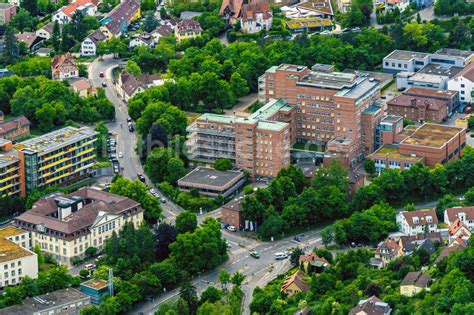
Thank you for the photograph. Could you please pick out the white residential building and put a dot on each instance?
(143, 39)
(65, 226)
(46, 31)
(463, 82)
(65, 14)
(16, 260)
(90, 44)
(256, 16)
(464, 214)
(417, 222)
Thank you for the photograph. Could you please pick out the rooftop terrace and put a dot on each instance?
(432, 135)
(10, 231)
(393, 152)
(454, 52)
(56, 139)
(95, 284)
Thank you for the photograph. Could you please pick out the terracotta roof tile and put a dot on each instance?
(422, 216)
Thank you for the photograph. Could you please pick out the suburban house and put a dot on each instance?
(7, 12)
(65, 226)
(294, 284)
(458, 229)
(64, 67)
(30, 39)
(17, 259)
(186, 30)
(46, 31)
(143, 39)
(65, 14)
(464, 83)
(417, 222)
(414, 282)
(313, 263)
(428, 241)
(465, 214)
(230, 11)
(128, 85)
(371, 306)
(256, 16)
(232, 214)
(162, 31)
(116, 22)
(14, 2)
(455, 246)
(15, 128)
(90, 44)
(84, 88)
(386, 251)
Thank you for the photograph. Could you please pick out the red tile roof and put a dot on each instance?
(371, 306)
(422, 217)
(62, 60)
(453, 213)
(250, 11)
(72, 7)
(312, 258)
(417, 101)
(13, 124)
(188, 25)
(234, 6)
(467, 72)
(298, 280)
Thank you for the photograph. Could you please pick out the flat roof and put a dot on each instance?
(10, 251)
(372, 109)
(11, 231)
(95, 284)
(323, 6)
(415, 90)
(360, 89)
(391, 118)
(308, 23)
(270, 109)
(45, 302)
(271, 125)
(6, 160)
(393, 152)
(56, 139)
(454, 52)
(441, 70)
(210, 176)
(425, 77)
(383, 78)
(406, 55)
(432, 135)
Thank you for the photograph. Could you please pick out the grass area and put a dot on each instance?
(102, 164)
(309, 147)
(254, 107)
(387, 86)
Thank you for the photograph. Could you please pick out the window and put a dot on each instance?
(19, 264)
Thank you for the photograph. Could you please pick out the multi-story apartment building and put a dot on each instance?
(464, 214)
(16, 260)
(60, 157)
(7, 12)
(418, 108)
(258, 143)
(412, 61)
(417, 222)
(429, 144)
(449, 96)
(11, 171)
(464, 83)
(332, 108)
(66, 225)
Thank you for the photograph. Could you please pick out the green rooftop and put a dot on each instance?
(393, 152)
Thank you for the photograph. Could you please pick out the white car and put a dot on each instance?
(120, 155)
(279, 256)
(231, 228)
(152, 191)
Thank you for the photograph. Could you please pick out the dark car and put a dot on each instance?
(353, 245)
(129, 120)
(104, 84)
(141, 177)
(130, 128)
(346, 30)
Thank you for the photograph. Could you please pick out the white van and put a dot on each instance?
(279, 256)
(89, 266)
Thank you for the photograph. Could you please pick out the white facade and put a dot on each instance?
(139, 42)
(464, 86)
(66, 250)
(402, 5)
(254, 26)
(63, 18)
(416, 227)
(14, 2)
(88, 47)
(43, 33)
(460, 213)
(12, 271)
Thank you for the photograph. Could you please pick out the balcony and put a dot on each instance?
(214, 132)
(57, 178)
(53, 164)
(201, 140)
(8, 178)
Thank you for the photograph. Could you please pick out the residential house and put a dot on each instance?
(186, 30)
(371, 306)
(46, 31)
(465, 214)
(15, 128)
(417, 222)
(427, 241)
(31, 40)
(90, 44)
(116, 22)
(386, 251)
(458, 230)
(7, 12)
(294, 284)
(162, 31)
(16, 260)
(143, 39)
(256, 16)
(64, 67)
(464, 83)
(321, 8)
(15, 2)
(402, 5)
(232, 214)
(129, 85)
(43, 52)
(414, 282)
(64, 15)
(230, 11)
(455, 246)
(65, 226)
(84, 88)
(313, 263)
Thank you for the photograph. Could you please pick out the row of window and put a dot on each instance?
(314, 97)
(13, 273)
(12, 265)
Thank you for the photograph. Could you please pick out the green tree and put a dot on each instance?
(295, 256)
(150, 23)
(238, 85)
(333, 175)
(469, 197)
(12, 49)
(175, 170)
(189, 295)
(31, 6)
(224, 278)
(447, 201)
(133, 68)
(39, 254)
(186, 221)
(223, 164)
(156, 165)
(211, 294)
(165, 235)
(369, 167)
(237, 279)
(56, 37)
(91, 251)
(273, 226)
(101, 143)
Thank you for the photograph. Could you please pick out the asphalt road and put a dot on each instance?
(126, 140)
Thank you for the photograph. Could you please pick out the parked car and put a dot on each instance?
(101, 74)
(254, 253)
(231, 228)
(353, 245)
(163, 200)
(120, 155)
(89, 266)
(141, 177)
(129, 120)
(104, 84)
(152, 191)
(130, 128)
(326, 32)
(346, 30)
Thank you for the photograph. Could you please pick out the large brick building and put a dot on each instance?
(418, 108)
(335, 110)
